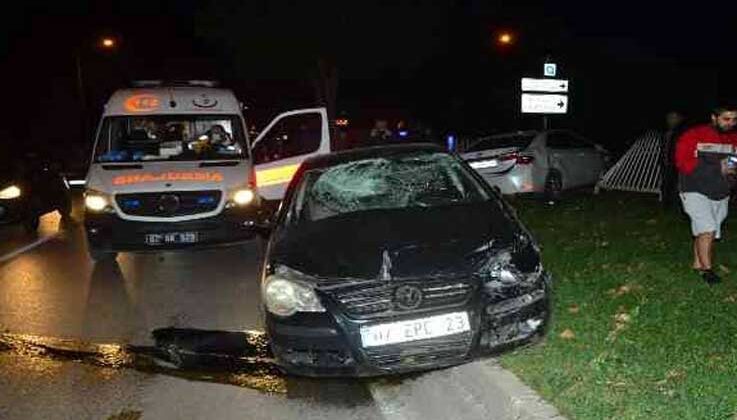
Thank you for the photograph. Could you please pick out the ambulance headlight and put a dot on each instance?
(241, 197)
(96, 201)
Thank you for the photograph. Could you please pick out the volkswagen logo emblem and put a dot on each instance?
(168, 204)
(407, 297)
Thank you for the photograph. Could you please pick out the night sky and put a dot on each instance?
(432, 61)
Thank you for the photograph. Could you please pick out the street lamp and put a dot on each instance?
(505, 38)
(106, 43)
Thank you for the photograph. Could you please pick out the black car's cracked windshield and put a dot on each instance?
(422, 180)
(170, 137)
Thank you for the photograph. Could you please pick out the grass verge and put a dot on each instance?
(636, 334)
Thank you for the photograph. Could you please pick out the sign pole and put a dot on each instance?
(549, 70)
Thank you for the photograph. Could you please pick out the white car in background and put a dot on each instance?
(547, 162)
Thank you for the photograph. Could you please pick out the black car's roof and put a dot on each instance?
(338, 158)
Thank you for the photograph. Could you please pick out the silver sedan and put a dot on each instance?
(548, 161)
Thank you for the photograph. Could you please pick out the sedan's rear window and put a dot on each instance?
(415, 180)
(520, 141)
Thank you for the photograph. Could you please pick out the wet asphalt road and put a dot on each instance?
(67, 326)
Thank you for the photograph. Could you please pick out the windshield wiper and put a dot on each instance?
(120, 167)
(219, 163)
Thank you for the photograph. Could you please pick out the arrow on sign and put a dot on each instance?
(544, 85)
(533, 103)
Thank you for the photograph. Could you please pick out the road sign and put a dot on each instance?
(550, 69)
(544, 85)
(544, 104)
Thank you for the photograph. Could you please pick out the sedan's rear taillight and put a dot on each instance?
(508, 157)
(525, 160)
(520, 159)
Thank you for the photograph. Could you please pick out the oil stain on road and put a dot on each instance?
(241, 359)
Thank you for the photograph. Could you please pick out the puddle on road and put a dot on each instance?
(242, 359)
(235, 358)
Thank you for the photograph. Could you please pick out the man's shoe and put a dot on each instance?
(710, 277)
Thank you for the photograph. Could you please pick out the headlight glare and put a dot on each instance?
(243, 197)
(95, 201)
(10, 193)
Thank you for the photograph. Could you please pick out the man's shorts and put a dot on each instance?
(706, 214)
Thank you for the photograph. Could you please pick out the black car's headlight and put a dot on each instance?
(286, 292)
(11, 192)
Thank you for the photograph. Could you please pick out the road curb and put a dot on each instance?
(476, 390)
(520, 402)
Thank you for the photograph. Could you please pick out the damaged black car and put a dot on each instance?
(29, 188)
(395, 259)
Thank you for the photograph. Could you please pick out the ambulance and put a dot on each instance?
(173, 167)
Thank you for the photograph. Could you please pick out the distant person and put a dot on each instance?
(669, 187)
(218, 136)
(380, 133)
(152, 129)
(174, 132)
(143, 129)
(701, 159)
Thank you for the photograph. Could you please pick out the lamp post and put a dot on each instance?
(105, 43)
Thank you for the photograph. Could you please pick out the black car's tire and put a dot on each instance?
(553, 186)
(30, 223)
(99, 255)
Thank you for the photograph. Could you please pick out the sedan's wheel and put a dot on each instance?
(553, 187)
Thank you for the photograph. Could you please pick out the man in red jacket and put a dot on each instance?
(702, 161)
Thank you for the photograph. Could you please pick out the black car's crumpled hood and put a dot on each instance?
(418, 242)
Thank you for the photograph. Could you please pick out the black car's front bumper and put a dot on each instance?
(329, 343)
(109, 233)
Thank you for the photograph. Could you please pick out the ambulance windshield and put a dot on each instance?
(170, 137)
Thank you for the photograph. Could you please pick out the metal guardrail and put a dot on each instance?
(639, 169)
